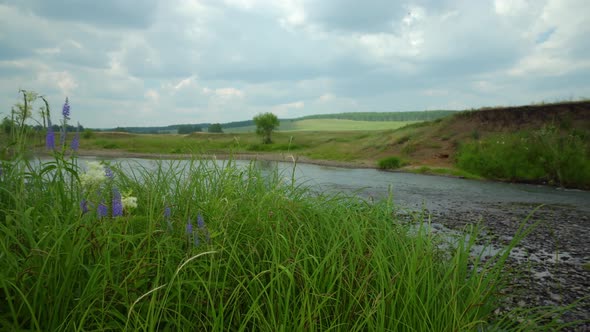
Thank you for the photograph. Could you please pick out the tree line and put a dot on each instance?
(384, 116)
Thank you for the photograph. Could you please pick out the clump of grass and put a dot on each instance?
(392, 162)
(403, 139)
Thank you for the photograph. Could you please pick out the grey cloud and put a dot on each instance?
(364, 16)
(464, 57)
(355, 15)
(104, 13)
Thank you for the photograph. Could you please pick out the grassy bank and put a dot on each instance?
(545, 155)
(218, 248)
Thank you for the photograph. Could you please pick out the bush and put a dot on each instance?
(88, 134)
(545, 155)
(392, 162)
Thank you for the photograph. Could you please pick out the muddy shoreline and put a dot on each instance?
(550, 266)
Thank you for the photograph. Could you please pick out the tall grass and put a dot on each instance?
(261, 253)
(274, 257)
(546, 155)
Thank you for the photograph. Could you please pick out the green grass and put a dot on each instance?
(275, 258)
(392, 162)
(343, 146)
(328, 125)
(340, 125)
(544, 155)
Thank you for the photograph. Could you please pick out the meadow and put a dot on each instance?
(200, 246)
(340, 125)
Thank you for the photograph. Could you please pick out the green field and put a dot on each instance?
(328, 125)
(339, 125)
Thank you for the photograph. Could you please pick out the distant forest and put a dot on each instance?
(384, 116)
(356, 116)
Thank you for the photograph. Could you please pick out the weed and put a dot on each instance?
(392, 162)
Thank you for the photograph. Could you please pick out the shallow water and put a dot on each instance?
(414, 191)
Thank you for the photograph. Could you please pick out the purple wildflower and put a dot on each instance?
(117, 204)
(167, 214)
(196, 238)
(200, 221)
(201, 225)
(102, 210)
(76, 141)
(189, 227)
(108, 172)
(66, 110)
(84, 205)
(50, 137)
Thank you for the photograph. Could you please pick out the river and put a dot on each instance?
(415, 191)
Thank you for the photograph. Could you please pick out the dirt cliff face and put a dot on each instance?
(436, 144)
(570, 115)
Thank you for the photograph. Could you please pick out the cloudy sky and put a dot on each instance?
(161, 62)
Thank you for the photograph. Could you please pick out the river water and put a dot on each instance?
(417, 191)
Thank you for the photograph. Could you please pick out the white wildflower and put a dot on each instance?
(94, 176)
(129, 203)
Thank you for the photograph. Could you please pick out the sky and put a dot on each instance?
(163, 62)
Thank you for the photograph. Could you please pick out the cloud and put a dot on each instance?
(160, 62)
(104, 13)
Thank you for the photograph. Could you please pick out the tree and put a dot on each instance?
(215, 128)
(187, 129)
(265, 124)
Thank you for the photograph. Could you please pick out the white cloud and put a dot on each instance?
(62, 80)
(283, 110)
(510, 7)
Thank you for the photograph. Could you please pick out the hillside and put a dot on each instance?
(435, 143)
(384, 116)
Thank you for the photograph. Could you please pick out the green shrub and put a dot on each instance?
(88, 134)
(544, 155)
(392, 162)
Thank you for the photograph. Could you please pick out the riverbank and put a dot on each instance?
(549, 265)
(282, 157)
(207, 247)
